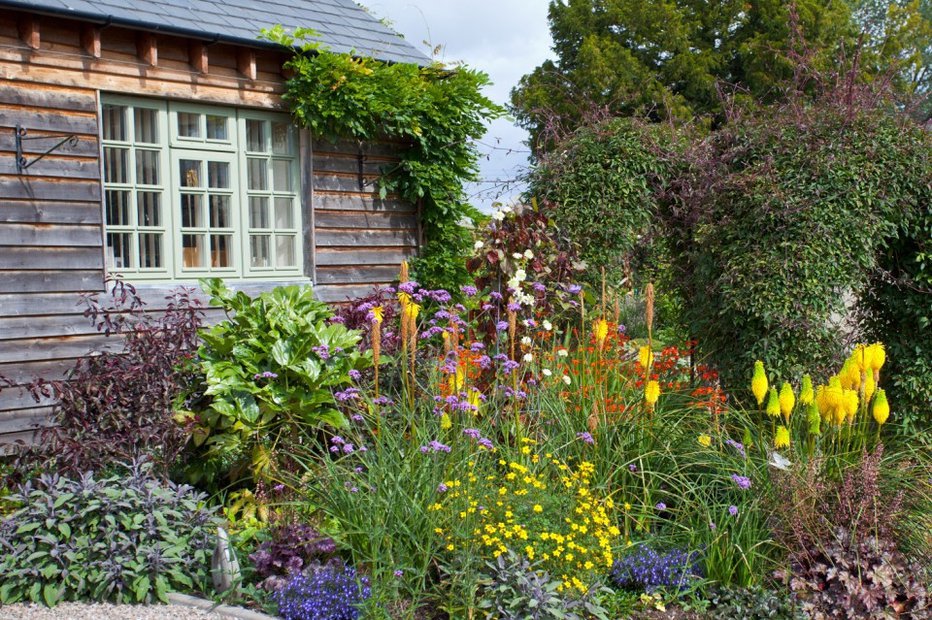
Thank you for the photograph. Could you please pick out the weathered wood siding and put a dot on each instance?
(51, 228)
(359, 239)
(50, 238)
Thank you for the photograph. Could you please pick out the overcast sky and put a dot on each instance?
(504, 38)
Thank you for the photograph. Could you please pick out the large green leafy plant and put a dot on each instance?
(266, 380)
(434, 112)
(126, 538)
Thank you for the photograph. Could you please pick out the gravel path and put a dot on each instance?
(103, 611)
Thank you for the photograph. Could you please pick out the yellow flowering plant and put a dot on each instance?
(542, 508)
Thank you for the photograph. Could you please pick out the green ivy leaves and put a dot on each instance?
(436, 113)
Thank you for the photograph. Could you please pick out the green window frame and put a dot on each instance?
(225, 183)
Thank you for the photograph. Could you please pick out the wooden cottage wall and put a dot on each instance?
(359, 239)
(50, 239)
(51, 232)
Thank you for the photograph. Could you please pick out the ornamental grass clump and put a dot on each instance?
(329, 592)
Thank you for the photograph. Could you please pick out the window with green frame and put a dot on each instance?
(193, 190)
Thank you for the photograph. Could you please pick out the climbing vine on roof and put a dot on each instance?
(436, 112)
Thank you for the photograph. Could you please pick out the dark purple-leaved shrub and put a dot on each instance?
(647, 569)
(328, 592)
(292, 547)
(842, 538)
(116, 405)
(357, 314)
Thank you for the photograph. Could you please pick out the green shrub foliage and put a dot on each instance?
(601, 186)
(434, 112)
(266, 376)
(897, 306)
(125, 538)
(785, 215)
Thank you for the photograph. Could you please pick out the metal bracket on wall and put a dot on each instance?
(22, 164)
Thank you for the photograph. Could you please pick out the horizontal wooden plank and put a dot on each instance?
(86, 147)
(329, 237)
(65, 347)
(18, 328)
(64, 258)
(19, 186)
(345, 183)
(21, 373)
(44, 97)
(20, 426)
(50, 212)
(58, 121)
(343, 293)
(327, 257)
(32, 304)
(10, 441)
(350, 165)
(71, 235)
(365, 220)
(325, 148)
(67, 167)
(356, 275)
(18, 398)
(40, 281)
(342, 202)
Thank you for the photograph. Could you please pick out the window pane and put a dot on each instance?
(220, 246)
(117, 208)
(216, 127)
(149, 209)
(258, 212)
(255, 136)
(284, 213)
(115, 164)
(284, 250)
(114, 122)
(218, 174)
(147, 125)
(190, 172)
(281, 174)
(119, 250)
(191, 211)
(189, 125)
(259, 251)
(150, 250)
(220, 212)
(192, 251)
(147, 167)
(281, 138)
(256, 174)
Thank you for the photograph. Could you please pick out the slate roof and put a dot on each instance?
(343, 25)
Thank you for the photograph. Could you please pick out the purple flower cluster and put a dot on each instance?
(646, 569)
(585, 438)
(743, 482)
(737, 445)
(469, 290)
(331, 592)
(482, 441)
(265, 375)
(347, 394)
(435, 446)
(322, 351)
(355, 375)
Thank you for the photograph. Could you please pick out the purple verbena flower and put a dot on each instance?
(469, 290)
(585, 437)
(733, 511)
(743, 482)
